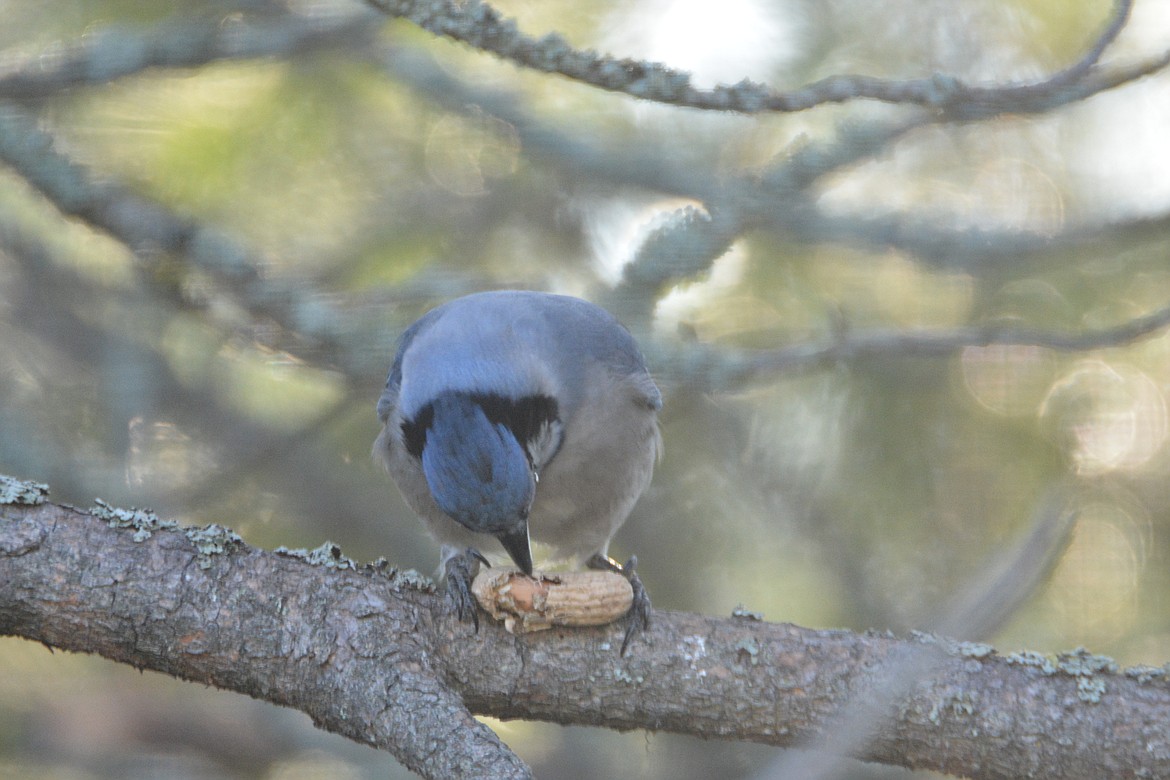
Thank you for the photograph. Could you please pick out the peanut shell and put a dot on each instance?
(571, 598)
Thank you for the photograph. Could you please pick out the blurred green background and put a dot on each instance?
(382, 171)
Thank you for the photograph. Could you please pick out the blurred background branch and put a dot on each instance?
(482, 26)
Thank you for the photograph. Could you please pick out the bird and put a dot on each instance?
(516, 416)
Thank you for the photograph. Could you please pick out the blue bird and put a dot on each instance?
(509, 416)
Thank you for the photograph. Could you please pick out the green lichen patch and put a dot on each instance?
(330, 556)
(959, 704)
(327, 555)
(143, 522)
(1146, 674)
(1090, 689)
(951, 646)
(383, 567)
(413, 579)
(212, 540)
(1034, 659)
(747, 652)
(623, 676)
(743, 613)
(1087, 668)
(19, 491)
(930, 638)
(975, 649)
(1079, 663)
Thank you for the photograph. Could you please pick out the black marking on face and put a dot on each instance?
(414, 432)
(532, 419)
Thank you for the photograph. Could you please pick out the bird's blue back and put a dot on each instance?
(512, 343)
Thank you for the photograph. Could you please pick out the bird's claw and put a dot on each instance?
(639, 615)
(459, 571)
(638, 618)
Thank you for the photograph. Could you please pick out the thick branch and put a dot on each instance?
(375, 658)
(352, 651)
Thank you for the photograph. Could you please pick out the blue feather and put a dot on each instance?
(477, 471)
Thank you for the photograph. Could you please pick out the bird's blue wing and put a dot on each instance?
(389, 397)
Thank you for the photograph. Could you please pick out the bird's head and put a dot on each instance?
(479, 474)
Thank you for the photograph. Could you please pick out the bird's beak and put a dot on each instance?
(516, 543)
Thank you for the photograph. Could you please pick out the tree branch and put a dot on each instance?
(480, 25)
(353, 651)
(114, 52)
(724, 367)
(157, 233)
(374, 656)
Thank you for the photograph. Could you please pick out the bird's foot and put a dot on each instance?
(638, 618)
(458, 571)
